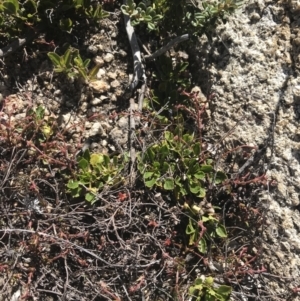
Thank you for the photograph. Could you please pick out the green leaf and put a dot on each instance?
(73, 184)
(150, 183)
(202, 193)
(156, 165)
(106, 161)
(86, 155)
(150, 155)
(66, 25)
(40, 113)
(98, 13)
(11, 7)
(86, 63)
(197, 149)
(148, 174)
(164, 152)
(55, 58)
(90, 197)
(148, 19)
(220, 177)
(93, 73)
(187, 138)
(83, 73)
(224, 291)
(67, 57)
(78, 61)
(196, 290)
(83, 164)
(165, 167)
(169, 136)
(125, 10)
(76, 192)
(202, 246)
(200, 175)
(194, 188)
(59, 70)
(221, 231)
(206, 168)
(190, 228)
(169, 184)
(208, 218)
(142, 6)
(31, 7)
(182, 67)
(157, 18)
(86, 177)
(209, 281)
(141, 167)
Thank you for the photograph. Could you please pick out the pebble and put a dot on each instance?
(122, 53)
(98, 61)
(96, 101)
(101, 72)
(96, 129)
(99, 86)
(112, 75)
(109, 57)
(115, 84)
(123, 122)
(92, 49)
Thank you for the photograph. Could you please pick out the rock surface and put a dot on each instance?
(254, 71)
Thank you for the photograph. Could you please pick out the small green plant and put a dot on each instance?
(16, 16)
(174, 164)
(94, 172)
(206, 290)
(183, 16)
(201, 231)
(42, 125)
(144, 12)
(211, 11)
(72, 64)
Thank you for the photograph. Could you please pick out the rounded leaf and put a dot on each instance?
(169, 184)
(202, 246)
(221, 231)
(73, 184)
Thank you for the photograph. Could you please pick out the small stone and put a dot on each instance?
(122, 53)
(254, 17)
(96, 101)
(101, 72)
(296, 41)
(123, 122)
(103, 97)
(109, 57)
(98, 61)
(285, 246)
(66, 117)
(92, 49)
(115, 84)
(96, 129)
(118, 136)
(113, 98)
(20, 116)
(99, 86)
(88, 125)
(112, 75)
